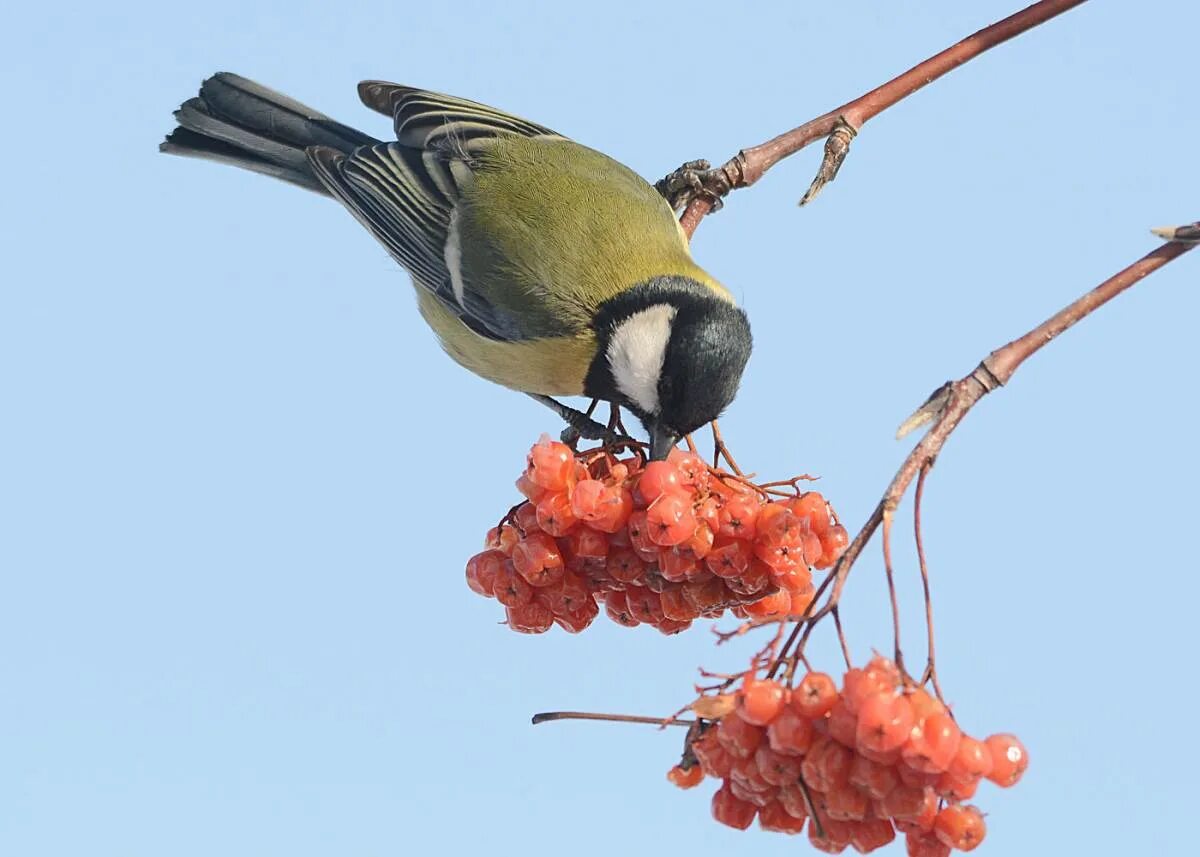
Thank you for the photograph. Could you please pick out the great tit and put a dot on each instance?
(541, 264)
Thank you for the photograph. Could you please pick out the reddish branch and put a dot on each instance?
(946, 408)
(841, 124)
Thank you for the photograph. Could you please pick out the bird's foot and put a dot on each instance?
(580, 425)
(693, 180)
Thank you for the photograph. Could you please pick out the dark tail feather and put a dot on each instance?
(237, 121)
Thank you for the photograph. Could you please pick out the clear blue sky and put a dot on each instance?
(238, 480)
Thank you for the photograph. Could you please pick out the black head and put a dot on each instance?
(672, 350)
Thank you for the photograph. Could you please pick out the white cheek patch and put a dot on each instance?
(453, 256)
(636, 352)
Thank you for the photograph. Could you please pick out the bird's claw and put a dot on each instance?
(693, 180)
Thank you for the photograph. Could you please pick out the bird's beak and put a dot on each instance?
(662, 441)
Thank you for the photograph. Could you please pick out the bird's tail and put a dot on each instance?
(237, 121)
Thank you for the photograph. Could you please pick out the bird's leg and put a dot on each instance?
(694, 179)
(579, 424)
(570, 435)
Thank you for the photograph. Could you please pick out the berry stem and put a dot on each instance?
(930, 660)
(897, 651)
(547, 716)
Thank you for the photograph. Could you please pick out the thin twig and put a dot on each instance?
(897, 651)
(993, 372)
(749, 165)
(547, 716)
(930, 673)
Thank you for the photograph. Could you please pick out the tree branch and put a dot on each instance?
(702, 192)
(951, 402)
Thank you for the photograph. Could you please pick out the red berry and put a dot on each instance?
(1009, 759)
(511, 589)
(728, 809)
(842, 724)
(760, 701)
(738, 736)
(961, 827)
(737, 517)
(482, 570)
(644, 605)
(909, 803)
(925, 845)
(625, 565)
(956, 787)
(846, 803)
(877, 780)
(776, 604)
(670, 520)
(815, 695)
(554, 514)
(776, 768)
(729, 560)
(884, 722)
(790, 732)
(714, 758)
(932, 744)
(530, 618)
(832, 545)
(685, 778)
(617, 607)
(972, 759)
(658, 478)
(815, 508)
(675, 606)
(776, 818)
(871, 834)
(537, 559)
(551, 465)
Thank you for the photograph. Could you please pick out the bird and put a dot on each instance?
(541, 265)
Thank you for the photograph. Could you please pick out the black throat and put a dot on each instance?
(683, 293)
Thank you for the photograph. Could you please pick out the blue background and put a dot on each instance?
(238, 481)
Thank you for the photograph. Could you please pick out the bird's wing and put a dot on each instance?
(405, 193)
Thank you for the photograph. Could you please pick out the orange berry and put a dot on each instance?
(827, 765)
(532, 618)
(815, 508)
(833, 543)
(737, 517)
(705, 595)
(554, 514)
(586, 543)
(685, 778)
(877, 780)
(790, 732)
(714, 758)
(791, 798)
(729, 560)
(815, 695)
(616, 605)
(537, 559)
(482, 570)
(1009, 759)
(739, 737)
(658, 478)
(960, 826)
(761, 700)
(775, 604)
(670, 520)
(957, 787)
(830, 836)
(776, 768)
(728, 809)
(530, 489)
(551, 465)
(871, 834)
(971, 759)
(502, 539)
(884, 723)
(616, 506)
(932, 744)
(693, 471)
(776, 818)
(644, 605)
(920, 844)
(675, 606)
(624, 565)
(923, 704)
(842, 724)
(912, 807)
(846, 803)
(511, 589)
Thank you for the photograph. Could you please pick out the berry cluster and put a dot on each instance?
(658, 543)
(874, 758)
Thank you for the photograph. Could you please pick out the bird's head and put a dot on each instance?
(672, 351)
